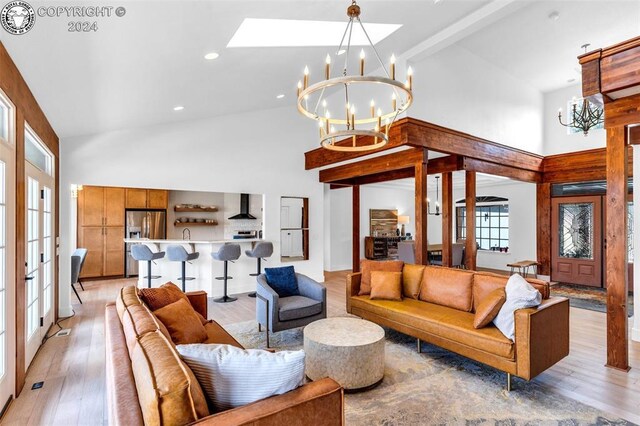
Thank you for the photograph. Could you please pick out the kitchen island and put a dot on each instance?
(204, 269)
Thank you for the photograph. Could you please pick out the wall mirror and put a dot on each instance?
(294, 229)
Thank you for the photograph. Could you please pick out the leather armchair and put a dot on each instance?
(282, 313)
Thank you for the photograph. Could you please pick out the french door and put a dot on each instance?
(7, 272)
(40, 246)
(576, 239)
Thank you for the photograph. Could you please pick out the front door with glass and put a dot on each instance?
(576, 253)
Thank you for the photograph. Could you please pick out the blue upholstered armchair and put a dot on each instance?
(277, 313)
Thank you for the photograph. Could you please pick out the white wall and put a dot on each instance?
(556, 138)
(258, 152)
(455, 88)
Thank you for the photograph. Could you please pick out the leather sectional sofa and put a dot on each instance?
(148, 383)
(541, 334)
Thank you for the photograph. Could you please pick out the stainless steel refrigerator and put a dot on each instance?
(151, 224)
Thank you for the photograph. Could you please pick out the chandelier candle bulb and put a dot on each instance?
(299, 87)
(393, 102)
(393, 67)
(373, 108)
(306, 77)
(362, 62)
(327, 67)
(379, 126)
(410, 78)
(353, 117)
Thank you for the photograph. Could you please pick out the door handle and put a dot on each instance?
(28, 278)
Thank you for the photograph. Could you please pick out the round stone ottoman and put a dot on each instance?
(349, 350)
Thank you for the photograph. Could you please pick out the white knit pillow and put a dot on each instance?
(520, 294)
(232, 377)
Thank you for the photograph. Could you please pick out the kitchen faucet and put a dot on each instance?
(188, 231)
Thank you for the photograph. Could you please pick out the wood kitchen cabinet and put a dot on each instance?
(146, 198)
(101, 216)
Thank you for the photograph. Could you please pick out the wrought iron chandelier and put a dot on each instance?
(437, 212)
(585, 118)
(313, 99)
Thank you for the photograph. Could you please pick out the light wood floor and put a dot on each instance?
(73, 368)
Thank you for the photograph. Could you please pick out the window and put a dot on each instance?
(36, 153)
(492, 223)
(6, 119)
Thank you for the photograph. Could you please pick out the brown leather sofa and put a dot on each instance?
(443, 314)
(148, 383)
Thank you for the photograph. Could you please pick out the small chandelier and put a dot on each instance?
(437, 212)
(313, 102)
(585, 118)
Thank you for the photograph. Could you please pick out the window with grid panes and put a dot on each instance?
(492, 225)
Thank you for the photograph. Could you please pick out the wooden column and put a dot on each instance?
(616, 249)
(471, 249)
(356, 227)
(447, 218)
(21, 251)
(543, 227)
(421, 210)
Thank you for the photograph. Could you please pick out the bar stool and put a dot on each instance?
(141, 252)
(227, 253)
(261, 250)
(177, 253)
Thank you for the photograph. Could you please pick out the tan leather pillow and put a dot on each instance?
(182, 322)
(367, 266)
(411, 280)
(386, 285)
(489, 307)
(447, 287)
(159, 297)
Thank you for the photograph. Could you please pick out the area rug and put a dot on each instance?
(438, 387)
(593, 299)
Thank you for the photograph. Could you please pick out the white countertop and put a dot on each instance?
(146, 240)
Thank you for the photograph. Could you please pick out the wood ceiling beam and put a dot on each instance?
(471, 164)
(448, 141)
(384, 163)
(321, 157)
(581, 166)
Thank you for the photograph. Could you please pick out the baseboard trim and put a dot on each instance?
(6, 406)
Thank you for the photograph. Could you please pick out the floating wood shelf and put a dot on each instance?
(195, 209)
(195, 223)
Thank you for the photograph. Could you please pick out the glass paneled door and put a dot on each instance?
(576, 239)
(40, 244)
(7, 254)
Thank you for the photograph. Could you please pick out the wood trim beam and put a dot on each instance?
(447, 218)
(384, 163)
(471, 248)
(622, 112)
(616, 250)
(421, 210)
(355, 237)
(543, 227)
(320, 157)
(375, 178)
(579, 166)
(480, 166)
(448, 141)
(634, 139)
(21, 249)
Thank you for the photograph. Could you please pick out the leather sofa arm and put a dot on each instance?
(542, 336)
(353, 287)
(198, 300)
(318, 403)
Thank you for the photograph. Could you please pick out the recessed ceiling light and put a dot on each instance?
(554, 16)
(571, 80)
(280, 96)
(211, 56)
(295, 33)
(436, 1)
(341, 51)
(178, 108)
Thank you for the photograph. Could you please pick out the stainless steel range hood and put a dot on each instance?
(244, 209)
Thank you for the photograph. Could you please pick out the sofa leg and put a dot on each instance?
(419, 346)
(508, 382)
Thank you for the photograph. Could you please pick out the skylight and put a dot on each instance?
(296, 33)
